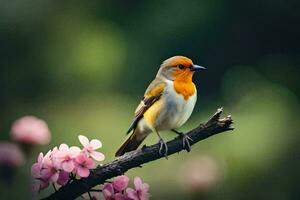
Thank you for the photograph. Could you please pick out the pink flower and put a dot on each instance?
(39, 181)
(63, 178)
(46, 170)
(83, 164)
(109, 193)
(120, 183)
(58, 163)
(30, 130)
(91, 146)
(49, 170)
(36, 168)
(65, 157)
(11, 155)
(141, 191)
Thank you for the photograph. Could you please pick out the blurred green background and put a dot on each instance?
(83, 66)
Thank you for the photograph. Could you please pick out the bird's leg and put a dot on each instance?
(162, 146)
(185, 140)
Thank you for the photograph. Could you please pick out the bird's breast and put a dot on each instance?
(184, 88)
(176, 109)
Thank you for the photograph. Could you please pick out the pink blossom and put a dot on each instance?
(83, 164)
(30, 130)
(11, 155)
(63, 178)
(65, 157)
(36, 168)
(45, 171)
(40, 182)
(141, 191)
(109, 193)
(50, 169)
(58, 163)
(120, 183)
(91, 146)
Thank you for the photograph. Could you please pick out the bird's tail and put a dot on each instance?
(131, 143)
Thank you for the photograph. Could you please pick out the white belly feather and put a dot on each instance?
(177, 110)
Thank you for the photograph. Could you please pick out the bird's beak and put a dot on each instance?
(196, 68)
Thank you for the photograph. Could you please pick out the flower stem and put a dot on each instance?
(91, 198)
(95, 190)
(54, 187)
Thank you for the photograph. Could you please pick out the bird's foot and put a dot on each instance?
(186, 141)
(162, 146)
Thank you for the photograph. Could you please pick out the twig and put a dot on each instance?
(90, 196)
(95, 190)
(53, 185)
(141, 156)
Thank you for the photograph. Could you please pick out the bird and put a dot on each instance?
(167, 104)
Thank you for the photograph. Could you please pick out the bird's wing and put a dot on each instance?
(152, 94)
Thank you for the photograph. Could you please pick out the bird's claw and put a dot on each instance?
(162, 146)
(186, 141)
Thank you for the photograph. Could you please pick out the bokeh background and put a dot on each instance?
(83, 66)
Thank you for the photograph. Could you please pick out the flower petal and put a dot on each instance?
(131, 193)
(63, 147)
(47, 155)
(54, 177)
(144, 196)
(68, 166)
(74, 151)
(146, 187)
(83, 172)
(119, 196)
(63, 178)
(97, 155)
(83, 140)
(89, 163)
(120, 183)
(36, 170)
(40, 158)
(138, 183)
(108, 190)
(80, 158)
(95, 144)
(46, 174)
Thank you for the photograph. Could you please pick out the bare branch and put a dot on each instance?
(141, 156)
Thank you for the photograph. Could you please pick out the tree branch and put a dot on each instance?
(141, 156)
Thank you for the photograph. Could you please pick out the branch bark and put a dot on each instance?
(141, 156)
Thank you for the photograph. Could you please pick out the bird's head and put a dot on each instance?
(178, 68)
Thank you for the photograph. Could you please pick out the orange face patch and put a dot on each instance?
(181, 74)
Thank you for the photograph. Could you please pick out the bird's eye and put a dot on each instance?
(180, 66)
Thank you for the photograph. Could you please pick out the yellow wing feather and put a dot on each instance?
(151, 98)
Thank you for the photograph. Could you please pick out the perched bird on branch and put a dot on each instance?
(167, 104)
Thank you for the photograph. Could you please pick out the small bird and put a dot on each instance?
(167, 104)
